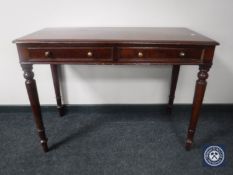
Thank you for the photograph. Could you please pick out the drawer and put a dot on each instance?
(76, 53)
(154, 53)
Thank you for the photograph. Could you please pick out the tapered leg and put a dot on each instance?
(35, 104)
(56, 84)
(197, 103)
(174, 79)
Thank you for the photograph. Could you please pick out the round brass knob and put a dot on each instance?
(89, 54)
(48, 54)
(140, 54)
(182, 54)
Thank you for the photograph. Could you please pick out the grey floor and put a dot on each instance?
(134, 140)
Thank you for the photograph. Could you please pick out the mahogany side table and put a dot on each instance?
(115, 46)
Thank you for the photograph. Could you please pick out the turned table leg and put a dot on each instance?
(174, 79)
(197, 103)
(56, 84)
(35, 104)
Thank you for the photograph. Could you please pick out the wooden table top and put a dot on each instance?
(118, 35)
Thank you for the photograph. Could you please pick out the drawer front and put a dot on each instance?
(76, 53)
(154, 53)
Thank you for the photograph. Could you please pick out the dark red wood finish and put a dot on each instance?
(54, 71)
(197, 102)
(35, 104)
(174, 79)
(171, 46)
